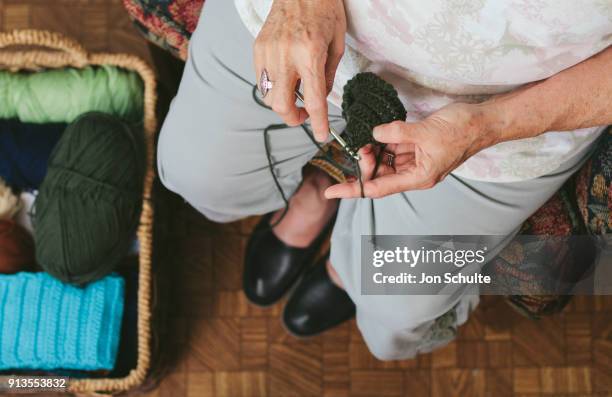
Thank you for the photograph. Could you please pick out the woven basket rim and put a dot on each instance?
(61, 51)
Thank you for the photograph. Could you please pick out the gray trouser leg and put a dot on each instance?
(211, 147)
(397, 326)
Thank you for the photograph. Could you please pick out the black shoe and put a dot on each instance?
(317, 304)
(271, 267)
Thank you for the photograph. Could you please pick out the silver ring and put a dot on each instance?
(390, 158)
(265, 84)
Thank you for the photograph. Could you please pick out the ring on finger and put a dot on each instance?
(389, 158)
(265, 84)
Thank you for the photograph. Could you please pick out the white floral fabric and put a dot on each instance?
(436, 52)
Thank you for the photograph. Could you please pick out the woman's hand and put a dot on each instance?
(425, 152)
(301, 40)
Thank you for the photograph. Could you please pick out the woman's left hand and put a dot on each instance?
(425, 152)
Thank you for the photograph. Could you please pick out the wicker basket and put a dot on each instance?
(51, 50)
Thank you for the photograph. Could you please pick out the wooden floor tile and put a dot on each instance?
(472, 354)
(602, 325)
(240, 384)
(474, 329)
(602, 354)
(377, 383)
(417, 383)
(336, 373)
(97, 19)
(570, 380)
(526, 380)
(215, 345)
(199, 384)
(539, 342)
(499, 354)
(175, 385)
(578, 338)
(16, 16)
(254, 343)
(458, 382)
(228, 258)
(295, 370)
(499, 382)
(445, 357)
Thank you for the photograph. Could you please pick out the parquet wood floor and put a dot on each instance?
(225, 347)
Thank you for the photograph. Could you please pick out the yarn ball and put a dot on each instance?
(87, 209)
(16, 248)
(367, 102)
(594, 188)
(61, 95)
(24, 151)
(9, 203)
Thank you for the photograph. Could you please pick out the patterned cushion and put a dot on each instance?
(167, 23)
(594, 188)
(583, 206)
(527, 270)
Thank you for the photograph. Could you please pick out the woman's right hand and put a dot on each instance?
(301, 40)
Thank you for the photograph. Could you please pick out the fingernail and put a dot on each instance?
(376, 132)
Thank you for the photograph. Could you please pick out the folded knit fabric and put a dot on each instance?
(25, 149)
(47, 325)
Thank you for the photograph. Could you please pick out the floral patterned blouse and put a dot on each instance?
(440, 51)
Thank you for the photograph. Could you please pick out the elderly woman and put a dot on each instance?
(505, 101)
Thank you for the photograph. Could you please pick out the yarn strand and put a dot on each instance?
(368, 101)
(328, 157)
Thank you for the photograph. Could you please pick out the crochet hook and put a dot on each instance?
(334, 133)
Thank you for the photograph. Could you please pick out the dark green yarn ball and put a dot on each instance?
(88, 206)
(368, 101)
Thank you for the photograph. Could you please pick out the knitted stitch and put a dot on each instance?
(368, 101)
(48, 325)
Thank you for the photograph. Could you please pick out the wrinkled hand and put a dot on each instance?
(426, 151)
(301, 40)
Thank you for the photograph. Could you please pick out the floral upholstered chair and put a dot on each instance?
(167, 23)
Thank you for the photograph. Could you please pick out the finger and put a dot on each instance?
(344, 190)
(384, 168)
(395, 132)
(379, 187)
(336, 50)
(405, 160)
(258, 60)
(368, 161)
(370, 156)
(352, 188)
(283, 98)
(315, 98)
(394, 183)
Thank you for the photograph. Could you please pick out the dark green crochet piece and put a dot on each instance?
(368, 101)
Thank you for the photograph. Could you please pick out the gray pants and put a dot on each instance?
(211, 152)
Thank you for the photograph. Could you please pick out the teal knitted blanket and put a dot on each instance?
(46, 324)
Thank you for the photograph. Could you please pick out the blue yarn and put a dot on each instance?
(25, 149)
(48, 325)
